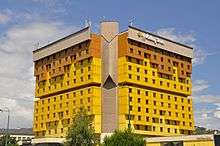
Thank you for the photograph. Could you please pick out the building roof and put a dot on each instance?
(68, 36)
(21, 131)
(178, 43)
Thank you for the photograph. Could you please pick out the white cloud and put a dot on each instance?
(217, 114)
(199, 86)
(16, 74)
(206, 106)
(186, 38)
(199, 55)
(4, 18)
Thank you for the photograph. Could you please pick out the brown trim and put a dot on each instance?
(70, 89)
(161, 37)
(57, 41)
(150, 88)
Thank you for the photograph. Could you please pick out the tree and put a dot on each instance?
(11, 141)
(123, 138)
(202, 130)
(81, 132)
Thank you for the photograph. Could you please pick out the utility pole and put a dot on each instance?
(8, 122)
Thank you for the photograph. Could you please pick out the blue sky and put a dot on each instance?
(25, 23)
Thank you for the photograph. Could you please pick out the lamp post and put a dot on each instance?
(8, 121)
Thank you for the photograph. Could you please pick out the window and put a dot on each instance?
(161, 96)
(147, 101)
(182, 65)
(169, 105)
(153, 81)
(190, 116)
(130, 99)
(161, 129)
(129, 67)
(169, 69)
(138, 78)
(147, 119)
(139, 118)
(139, 100)
(188, 66)
(182, 107)
(145, 71)
(189, 109)
(184, 123)
(138, 69)
(139, 109)
(139, 52)
(129, 76)
(138, 92)
(183, 115)
(146, 93)
(169, 113)
(130, 108)
(176, 107)
(154, 94)
(147, 110)
(131, 50)
(153, 73)
(146, 79)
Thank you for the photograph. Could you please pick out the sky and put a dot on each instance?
(27, 24)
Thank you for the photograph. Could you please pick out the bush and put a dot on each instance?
(123, 138)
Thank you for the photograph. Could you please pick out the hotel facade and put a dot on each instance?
(132, 78)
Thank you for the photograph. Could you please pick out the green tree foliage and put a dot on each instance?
(202, 130)
(123, 138)
(11, 141)
(81, 133)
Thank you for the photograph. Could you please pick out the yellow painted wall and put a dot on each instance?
(187, 143)
(198, 143)
(168, 99)
(53, 114)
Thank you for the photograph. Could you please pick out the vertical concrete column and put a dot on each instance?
(109, 50)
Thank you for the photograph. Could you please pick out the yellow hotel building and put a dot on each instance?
(113, 75)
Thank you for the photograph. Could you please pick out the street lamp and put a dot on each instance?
(8, 121)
